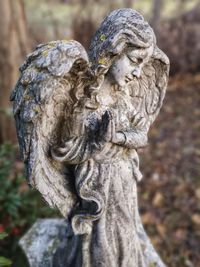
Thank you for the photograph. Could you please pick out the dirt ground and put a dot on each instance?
(169, 194)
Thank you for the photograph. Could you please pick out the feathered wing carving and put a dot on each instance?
(157, 83)
(149, 91)
(41, 103)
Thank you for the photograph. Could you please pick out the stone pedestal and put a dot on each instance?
(42, 241)
(45, 244)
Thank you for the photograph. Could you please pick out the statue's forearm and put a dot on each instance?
(132, 138)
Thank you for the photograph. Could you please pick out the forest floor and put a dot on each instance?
(169, 194)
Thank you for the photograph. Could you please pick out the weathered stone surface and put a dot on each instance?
(45, 244)
(80, 122)
(41, 242)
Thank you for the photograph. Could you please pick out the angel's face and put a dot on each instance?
(128, 66)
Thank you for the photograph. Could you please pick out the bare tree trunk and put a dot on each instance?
(157, 6)
(83, 26)
(128, 3)
(112, 4)
(14, 46)
(180, 7)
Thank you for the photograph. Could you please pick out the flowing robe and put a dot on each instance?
(105, 174)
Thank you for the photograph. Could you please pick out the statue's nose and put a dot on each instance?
(137, 72)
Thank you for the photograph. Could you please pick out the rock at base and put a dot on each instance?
(41, 242)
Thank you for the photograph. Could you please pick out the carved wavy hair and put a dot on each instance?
(120, 30)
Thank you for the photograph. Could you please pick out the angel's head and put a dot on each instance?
(122, 45)
(129, 65)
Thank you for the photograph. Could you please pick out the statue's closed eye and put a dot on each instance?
(135, 60)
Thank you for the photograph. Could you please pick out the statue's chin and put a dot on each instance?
(124, 83)
(121, 83)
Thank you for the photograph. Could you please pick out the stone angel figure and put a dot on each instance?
(80, 120)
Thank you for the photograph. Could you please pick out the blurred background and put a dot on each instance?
(169, 194)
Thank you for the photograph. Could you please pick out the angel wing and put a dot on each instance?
(149, 91)
(41, 103)
(157, 83)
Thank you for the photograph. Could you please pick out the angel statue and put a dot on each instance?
(80, 120)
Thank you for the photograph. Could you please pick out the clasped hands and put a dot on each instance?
(105, 131)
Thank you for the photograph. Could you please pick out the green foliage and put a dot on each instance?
(3, 235)
(5, 262)
(20, 206)
(9, 198)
